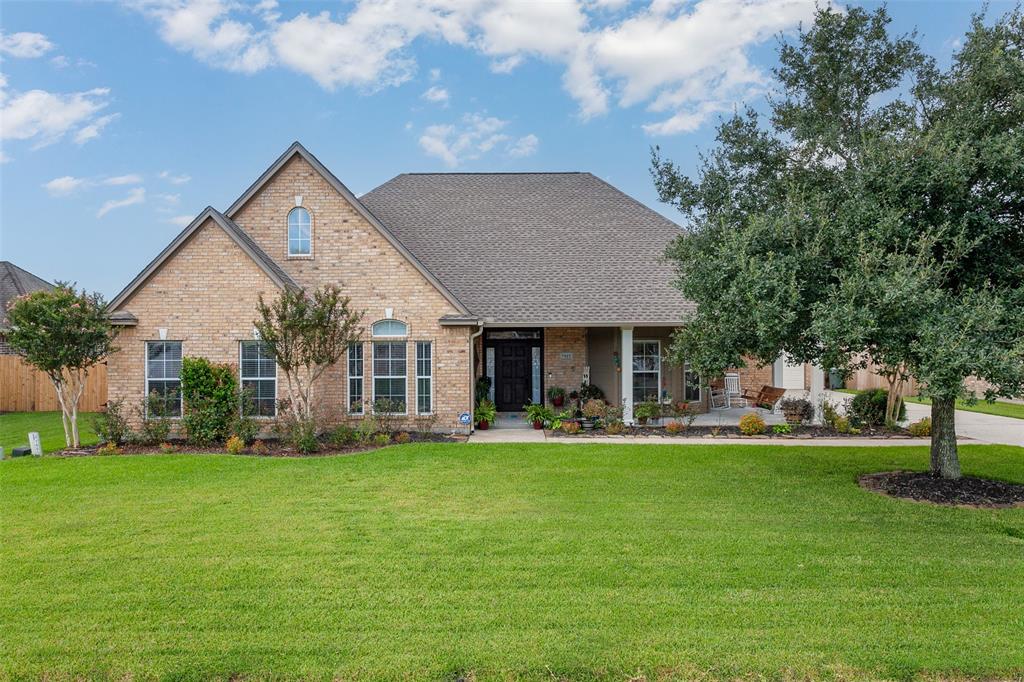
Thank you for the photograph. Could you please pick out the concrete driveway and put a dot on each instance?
(985, 428)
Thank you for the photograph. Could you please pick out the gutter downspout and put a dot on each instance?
(472, 369)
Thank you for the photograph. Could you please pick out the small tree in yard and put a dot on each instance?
(877, 217)
(63, 334)
(307, 335)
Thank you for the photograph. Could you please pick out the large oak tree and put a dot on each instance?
(875, 215)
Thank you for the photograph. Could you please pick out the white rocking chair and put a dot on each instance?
(733, 392)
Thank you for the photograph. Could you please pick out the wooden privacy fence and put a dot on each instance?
(26, 389)
(864, 379)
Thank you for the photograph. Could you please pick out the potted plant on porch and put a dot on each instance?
(538, 414)
(556, 394)
(484, 414)
(647, 410)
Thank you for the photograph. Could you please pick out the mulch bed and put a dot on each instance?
(797, 431)
(926, 487)
(271, 448)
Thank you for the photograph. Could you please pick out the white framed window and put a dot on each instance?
(300, 232)
(646, 371)
(163, 378)
(390, 328)
(424, 377)
(390, 373)
(258, 374)
(355, 378)
(691, 384)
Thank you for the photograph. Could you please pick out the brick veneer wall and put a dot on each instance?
(205, 297)
(217, 283)
(567, 373)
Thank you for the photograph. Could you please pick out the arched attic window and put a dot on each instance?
(300, 232)
(390, 329)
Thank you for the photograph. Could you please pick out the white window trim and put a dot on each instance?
(374, 377)
(429, 377)
(287, 234)
(181, 398)
(242, 378)
(349, 377)
(633, 372)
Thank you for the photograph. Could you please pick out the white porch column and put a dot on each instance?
(817, 396)
(627, 375)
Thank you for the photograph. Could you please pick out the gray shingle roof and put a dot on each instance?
(545, 248)
(15, 282)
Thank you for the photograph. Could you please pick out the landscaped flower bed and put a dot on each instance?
(795, 432)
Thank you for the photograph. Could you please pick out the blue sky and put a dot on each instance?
(122, 121)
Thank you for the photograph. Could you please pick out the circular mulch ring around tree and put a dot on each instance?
(967, 491)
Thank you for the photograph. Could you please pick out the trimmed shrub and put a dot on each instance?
(675, 427)
(782, 429)
(615, 428)
(343, 436)
(402, 437)
(571, 427)
(108, 449)
(751, 424)
(211, 400)
(921, 428)
(111, 426)
(235, 445)
(868, 408)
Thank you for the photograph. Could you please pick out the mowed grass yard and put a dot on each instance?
(519, 561)
(15, 427)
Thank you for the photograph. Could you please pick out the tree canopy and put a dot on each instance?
(876, 214)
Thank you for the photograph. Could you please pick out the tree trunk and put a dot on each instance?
(945, 461)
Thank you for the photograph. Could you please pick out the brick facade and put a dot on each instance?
(205, 295)
(565, 356)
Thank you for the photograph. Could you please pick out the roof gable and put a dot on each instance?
(237, 234)
(297, 149)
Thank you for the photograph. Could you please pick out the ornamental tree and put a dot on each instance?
(875, 215)
(307, 334)
(63, 334)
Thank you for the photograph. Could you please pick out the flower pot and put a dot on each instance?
(588, 424)
(558, 400)
(483, 425)
(538, 424)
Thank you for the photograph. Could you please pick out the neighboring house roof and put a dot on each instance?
(240, 237)
(14, 282)
(536, 248)
(346, 193)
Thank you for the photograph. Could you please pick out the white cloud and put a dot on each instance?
(169, 199)
(174, 179)
(524, 146)
(25, 45)
(67, 184)
(135, 196)
(683, 61)
(472, 137)
(436, 94)
(64, 185)
(180, 220)
(46, 117)
(130, 179)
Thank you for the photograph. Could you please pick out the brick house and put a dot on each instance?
(533, 279)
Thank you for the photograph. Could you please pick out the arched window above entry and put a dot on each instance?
(390, 328)
(300, 230)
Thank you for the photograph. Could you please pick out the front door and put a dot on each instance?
(512, 376)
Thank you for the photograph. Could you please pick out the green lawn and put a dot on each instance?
(15, 426)
(544, 561)
(999, 408)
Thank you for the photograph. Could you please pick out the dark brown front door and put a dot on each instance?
(512, 376)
